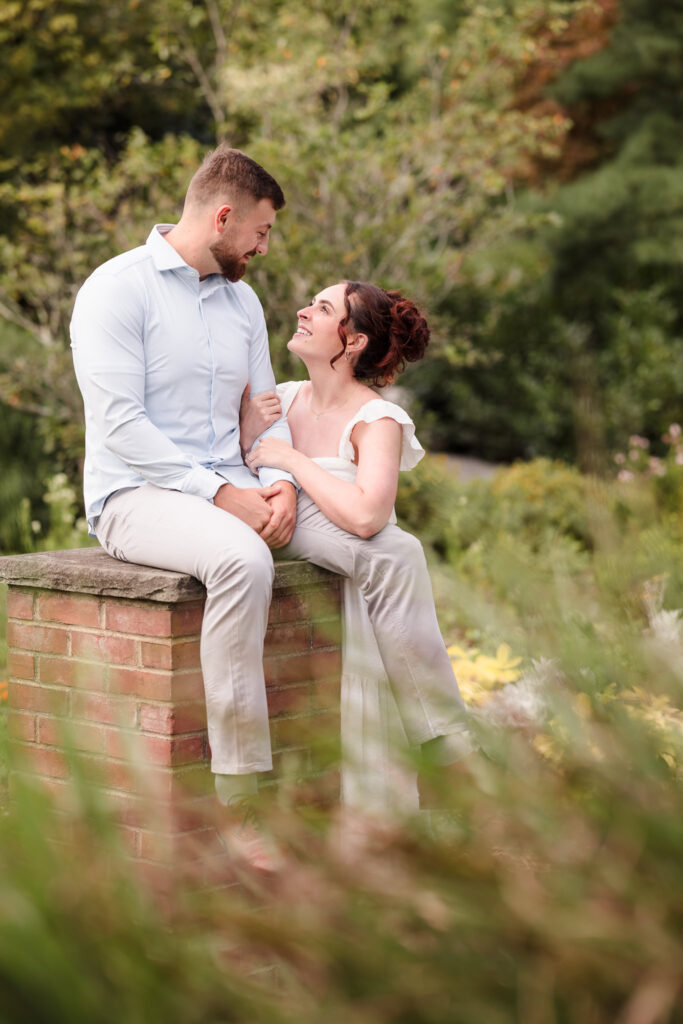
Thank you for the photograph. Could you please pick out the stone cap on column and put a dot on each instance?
(92, 571)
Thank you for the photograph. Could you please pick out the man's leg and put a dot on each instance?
(391, 572)
(154, 526)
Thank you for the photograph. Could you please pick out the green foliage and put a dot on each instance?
(577, 322)
(553, 892)
(15, 511)
(534, 527)
(398, 135)
(60, 525)
(640, 466)
(540, 497)
(83, 72)
(81, 941)
(552, 888)
(388, 125)
(392, 137)
(4, 745)
(550, 891)
(24, 466)
(531, 502)
(66, 529)
(75, 209)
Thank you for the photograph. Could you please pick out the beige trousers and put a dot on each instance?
(154, 526)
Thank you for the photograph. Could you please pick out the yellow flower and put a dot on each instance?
(547, 748)
(582, 704)
(478, 673)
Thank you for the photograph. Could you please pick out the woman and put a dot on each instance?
(348, 447)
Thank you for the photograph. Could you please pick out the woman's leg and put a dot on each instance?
(391, 573)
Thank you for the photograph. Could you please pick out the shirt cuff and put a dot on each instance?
(202, 482)
(268, 476)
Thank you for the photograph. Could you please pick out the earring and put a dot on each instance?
(347, 355)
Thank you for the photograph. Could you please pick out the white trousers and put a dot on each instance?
(390, 571)
(159, 527)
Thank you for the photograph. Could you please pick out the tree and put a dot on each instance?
(391, 131)
(579, 323)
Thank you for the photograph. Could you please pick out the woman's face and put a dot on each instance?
(317, 333)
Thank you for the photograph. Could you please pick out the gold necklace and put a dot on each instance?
(324, 412)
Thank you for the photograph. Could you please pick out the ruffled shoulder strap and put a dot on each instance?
(379, 409)
(287, 392)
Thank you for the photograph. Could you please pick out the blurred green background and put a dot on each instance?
(515, 167)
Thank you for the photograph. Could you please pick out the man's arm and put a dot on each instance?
(280, 528)
(261, 378)
(107, 331)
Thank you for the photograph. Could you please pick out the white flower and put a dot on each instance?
(666, 627)
(665, 630)
(524, 704)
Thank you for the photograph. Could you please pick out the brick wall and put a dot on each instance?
(105, 685)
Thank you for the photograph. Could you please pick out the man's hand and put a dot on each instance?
(256, 415)
(279, 530)
(250, 504)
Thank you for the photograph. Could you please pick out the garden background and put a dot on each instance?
(517, 167)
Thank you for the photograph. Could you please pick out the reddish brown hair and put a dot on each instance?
(396, 330)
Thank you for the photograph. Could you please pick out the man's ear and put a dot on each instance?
(221, 216)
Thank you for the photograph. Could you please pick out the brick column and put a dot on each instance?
(105, 682)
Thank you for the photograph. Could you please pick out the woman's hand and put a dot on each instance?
(273, 452)
(256, 415)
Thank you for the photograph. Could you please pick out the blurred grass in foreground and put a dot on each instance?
(552, 891)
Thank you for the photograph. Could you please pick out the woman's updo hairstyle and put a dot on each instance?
(396, 330)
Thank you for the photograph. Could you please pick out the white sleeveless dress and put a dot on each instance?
(375, 777)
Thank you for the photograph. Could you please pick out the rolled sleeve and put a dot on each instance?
(261, 378)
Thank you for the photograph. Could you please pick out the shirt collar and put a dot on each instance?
(164, 255)
(167, 258)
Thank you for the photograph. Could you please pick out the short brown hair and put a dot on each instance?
(232, 173)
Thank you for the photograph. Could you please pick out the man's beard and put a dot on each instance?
(229, 261)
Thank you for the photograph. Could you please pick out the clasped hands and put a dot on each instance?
(270, 511)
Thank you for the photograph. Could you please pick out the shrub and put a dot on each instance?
(533, 502)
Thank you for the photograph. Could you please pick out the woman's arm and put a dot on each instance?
(363, 507)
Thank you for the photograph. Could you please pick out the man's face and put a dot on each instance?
(243, 237)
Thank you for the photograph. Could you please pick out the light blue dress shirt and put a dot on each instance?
(162, 359)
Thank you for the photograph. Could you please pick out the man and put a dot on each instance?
(165, 338)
